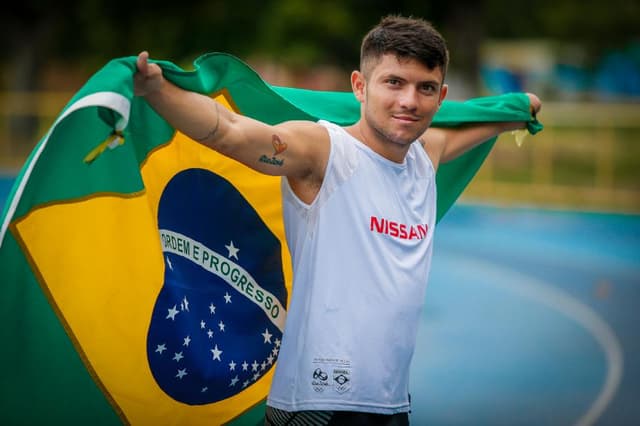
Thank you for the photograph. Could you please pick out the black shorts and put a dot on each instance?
(276, 417)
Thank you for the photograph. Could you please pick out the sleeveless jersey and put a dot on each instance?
(361, 254)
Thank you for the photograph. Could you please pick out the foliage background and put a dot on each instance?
(41, 36)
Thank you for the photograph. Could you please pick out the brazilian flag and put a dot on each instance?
(145, 279)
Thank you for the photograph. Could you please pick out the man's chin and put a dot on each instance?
(405, 139)
(401, 136)
(408, 135)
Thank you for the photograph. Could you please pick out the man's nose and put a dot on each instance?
(409, 98)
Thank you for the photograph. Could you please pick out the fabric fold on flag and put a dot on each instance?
(145, 277)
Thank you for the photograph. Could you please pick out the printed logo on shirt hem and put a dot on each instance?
(338, 380)
(341, 380)
(320, 380)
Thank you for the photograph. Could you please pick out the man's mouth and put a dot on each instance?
(406, 118)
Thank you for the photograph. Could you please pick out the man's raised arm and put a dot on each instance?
(446, 144)
(296, 149)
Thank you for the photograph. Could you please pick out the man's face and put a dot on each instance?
(400, 98)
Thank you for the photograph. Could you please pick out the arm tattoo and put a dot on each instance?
(215, 129)
(278, 148)
(278, 145)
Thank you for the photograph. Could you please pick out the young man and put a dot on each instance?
(359, 211)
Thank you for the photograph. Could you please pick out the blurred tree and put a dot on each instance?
(295, 32)
(596, 25)
(29, 32)
(89, 33)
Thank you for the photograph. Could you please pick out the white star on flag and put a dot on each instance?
(172, 313)
(267, 336)
(184, 306)
(233, 251)
(216, 353)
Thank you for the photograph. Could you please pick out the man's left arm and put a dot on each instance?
(445, 144)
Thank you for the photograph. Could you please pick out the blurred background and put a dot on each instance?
(581, 57)
(531, 314)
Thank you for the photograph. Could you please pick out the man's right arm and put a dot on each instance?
(297, 149)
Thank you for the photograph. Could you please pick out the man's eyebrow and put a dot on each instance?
(397, 77)
(432, 81)
(393, 77)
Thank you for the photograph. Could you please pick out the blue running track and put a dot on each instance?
(530, 319)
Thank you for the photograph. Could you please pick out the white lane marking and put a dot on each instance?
(566, 305)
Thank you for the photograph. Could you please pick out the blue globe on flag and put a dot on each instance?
(217, 322)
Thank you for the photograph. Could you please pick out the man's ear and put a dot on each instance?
(358, 85)
(443, 93)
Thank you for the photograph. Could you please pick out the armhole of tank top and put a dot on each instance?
(424, 152)
(433, 174)
(285, 181)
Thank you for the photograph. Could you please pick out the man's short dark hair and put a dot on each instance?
(407, 38)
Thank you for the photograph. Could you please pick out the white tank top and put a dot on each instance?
(361, 256)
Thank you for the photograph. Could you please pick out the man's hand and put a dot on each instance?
(535, 104)
(149, 77)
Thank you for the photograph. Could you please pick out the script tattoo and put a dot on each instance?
(215, 128)
(278, 148)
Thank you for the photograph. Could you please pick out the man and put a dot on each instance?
(359, 211)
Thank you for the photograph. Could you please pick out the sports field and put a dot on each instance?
(530, 319)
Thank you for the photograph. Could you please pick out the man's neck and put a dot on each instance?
(383, 147)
